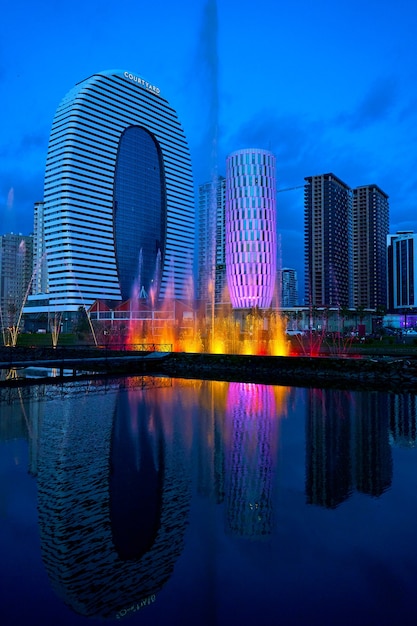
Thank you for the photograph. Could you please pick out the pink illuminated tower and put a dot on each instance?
(251, 241)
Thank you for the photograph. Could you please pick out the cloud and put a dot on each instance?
(291, 138)
(22, 168)
(376, 106)
(27, 143)
(305, 147)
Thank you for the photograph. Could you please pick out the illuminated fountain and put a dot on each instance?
(169, 324)
(55, 326)
(251, 327)
(177, 325)
(328, 336)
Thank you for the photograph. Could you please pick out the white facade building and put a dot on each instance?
(118, 211)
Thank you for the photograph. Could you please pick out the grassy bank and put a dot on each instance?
(301, 346)
(44, 340)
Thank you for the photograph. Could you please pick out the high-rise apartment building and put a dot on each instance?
(16, 268)
(211, 240)
(289, 287)
(40, 268)
(251, 241)
(402, 271)
(327, 220)
(118, 210)
(370, 225)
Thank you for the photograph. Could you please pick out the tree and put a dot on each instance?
(344, 314)
(82, 324)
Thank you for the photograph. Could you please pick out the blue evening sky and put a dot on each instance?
(327, 86)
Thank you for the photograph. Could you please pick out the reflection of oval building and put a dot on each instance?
(100, 561)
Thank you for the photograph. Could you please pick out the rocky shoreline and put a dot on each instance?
(388, 373)
(383, 373)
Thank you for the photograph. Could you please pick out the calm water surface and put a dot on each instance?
(153, 501)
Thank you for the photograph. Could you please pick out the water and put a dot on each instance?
(155, 501)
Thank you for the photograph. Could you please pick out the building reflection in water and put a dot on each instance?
(116, 464)
(252, 436)
(209, 427)
(372, 450)
(328, 447)
(136, 475)
(109, 540)
(347, 445)
(403, 421)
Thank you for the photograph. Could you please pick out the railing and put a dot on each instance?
(150, 347)
(97, 316)
(10, 355)
(47, 391)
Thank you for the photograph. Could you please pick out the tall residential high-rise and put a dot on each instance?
(16, 268)
(327, 219)
(402, 271)
(251, 240)
(211, 240)
(370, 221)
(289, 287)
(118, 197)
(40, 270)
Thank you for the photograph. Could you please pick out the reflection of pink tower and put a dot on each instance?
(251, 422)
(251, 241)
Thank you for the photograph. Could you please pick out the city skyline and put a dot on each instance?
(324, 90)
